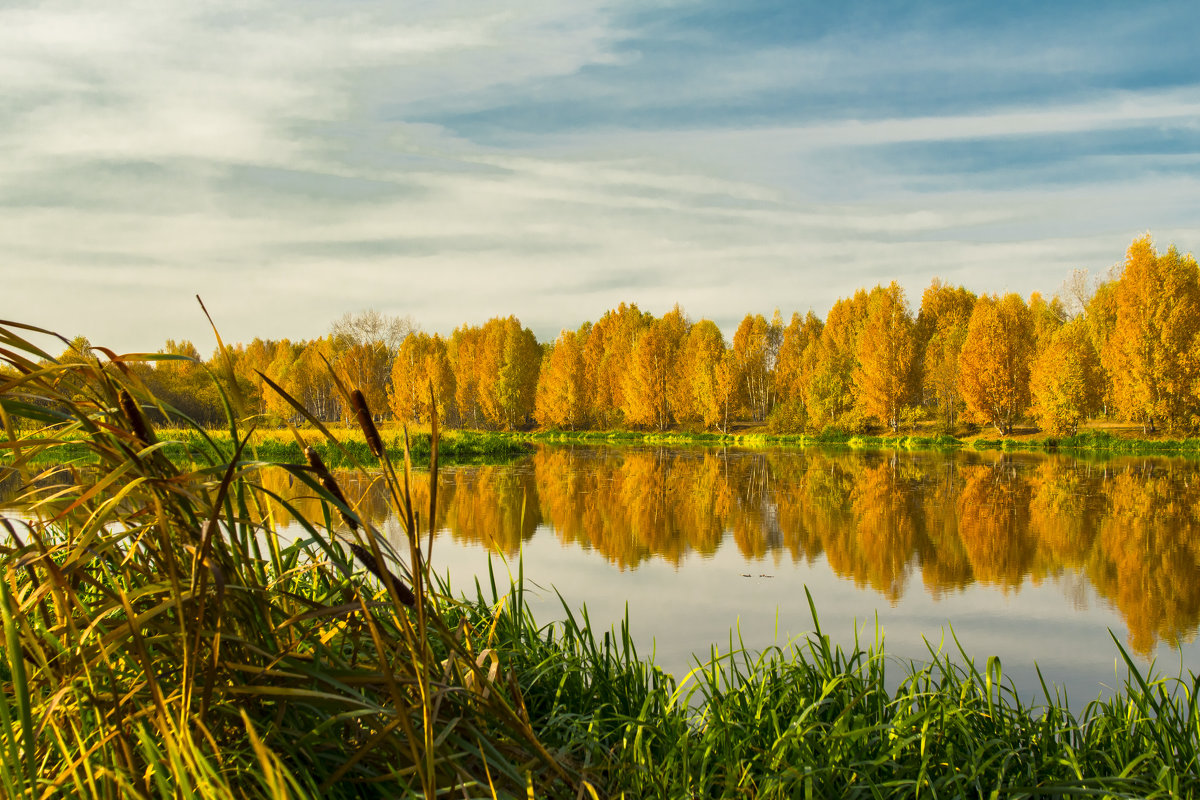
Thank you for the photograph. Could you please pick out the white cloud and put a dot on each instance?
(262, 157)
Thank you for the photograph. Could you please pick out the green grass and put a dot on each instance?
(813, 719)
(160, 641)
(1100, 442)
(185, 446)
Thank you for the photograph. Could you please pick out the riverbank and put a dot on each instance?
(187, 446)
(1098, 441)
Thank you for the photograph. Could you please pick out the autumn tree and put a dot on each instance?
(562, 393)
(1066, 382)
(365, 345)
(939, 334)
(284, 361)
(1151, 355)
(184, 384)
(650, 395)
(885, 352)
(755, 350)
(365, 366)
(708, 369)
(421, 364)
(508, 363)
(793, 373)
(944, 309)
(1048, 316)
(309, 380)
(464, 352)
(995, 361)
(941, 368)
(1101, 316)
(606, 357)
(829, 395)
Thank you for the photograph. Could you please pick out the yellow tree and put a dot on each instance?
(943, 315)
(606, 357)
(366, 366)
(995, 361)
(707, 370)
(885, 353)
(1101, 316)
(941, 370)
(793, 373)
(755, 350)
(465, 351)
(562, 394)
(507, 367)
(1151, 354)
(422, 361)
(1048, 317)
(830, 393)
(1066, 381)
(310, 381)
(285, 360)
(649, 385)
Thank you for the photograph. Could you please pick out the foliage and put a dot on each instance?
(885, 356)
(995, 361)
(562, 397)
(1066, 381)
(755, 351)
(1151, 352)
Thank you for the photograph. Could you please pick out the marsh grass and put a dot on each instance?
(811, 719)
(158, 642)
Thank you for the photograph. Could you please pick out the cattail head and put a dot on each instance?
(363, 414)
(383, 574)
(331, 486)
(137, 423)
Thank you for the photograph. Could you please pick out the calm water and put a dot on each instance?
(1029, 557)
(1025, 556)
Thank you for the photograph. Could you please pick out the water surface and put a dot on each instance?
(1030, 557)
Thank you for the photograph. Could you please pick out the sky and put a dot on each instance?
(454, 161)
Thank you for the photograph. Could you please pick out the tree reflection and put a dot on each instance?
(1129, 527)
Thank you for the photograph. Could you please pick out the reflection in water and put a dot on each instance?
(1129, 527)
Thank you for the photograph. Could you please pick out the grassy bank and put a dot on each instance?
(1099, 442)
(160, 641)
(187, 446)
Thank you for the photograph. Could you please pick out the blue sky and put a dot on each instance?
(294, 161)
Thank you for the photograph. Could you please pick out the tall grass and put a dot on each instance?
(158, 642)
(812, 719)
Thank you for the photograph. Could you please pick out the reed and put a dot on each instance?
(159, 642)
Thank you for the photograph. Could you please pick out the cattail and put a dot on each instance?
(383, 574)
(137, 422)
(367, 423)
(323, 474)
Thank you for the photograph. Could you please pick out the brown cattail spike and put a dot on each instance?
(367, 423)
(137, 423)
(323, 474)
(384, 574)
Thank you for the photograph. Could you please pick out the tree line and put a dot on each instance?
(1126, 347)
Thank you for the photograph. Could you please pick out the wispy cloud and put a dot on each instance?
(292, 162)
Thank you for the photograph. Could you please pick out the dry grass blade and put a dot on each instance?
(141, 623)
